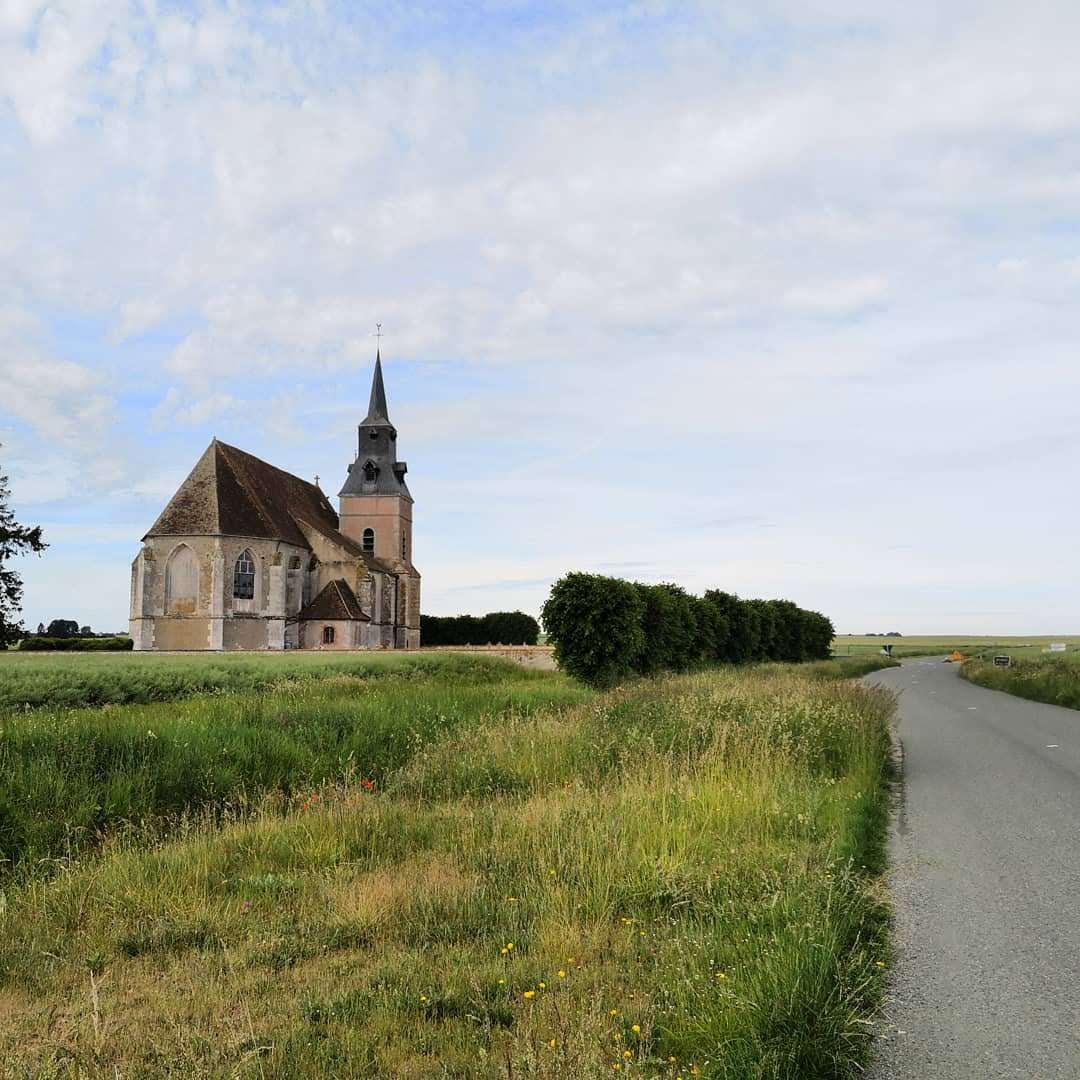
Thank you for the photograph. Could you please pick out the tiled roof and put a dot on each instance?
(336, 601)
(233, 493)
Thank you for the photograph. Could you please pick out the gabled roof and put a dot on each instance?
(336, 601)
(233, 493)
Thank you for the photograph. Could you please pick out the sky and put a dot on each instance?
(776, 297)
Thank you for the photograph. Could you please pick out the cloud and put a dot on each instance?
(640, 266)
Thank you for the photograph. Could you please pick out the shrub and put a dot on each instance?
(77, 644)
(596, 624)
(589, 620)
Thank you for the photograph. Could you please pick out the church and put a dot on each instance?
(248, 556)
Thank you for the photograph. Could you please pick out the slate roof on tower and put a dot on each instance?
(376, 469)
(233, 493)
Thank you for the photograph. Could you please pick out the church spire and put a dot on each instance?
(377, 412)
(376, 469)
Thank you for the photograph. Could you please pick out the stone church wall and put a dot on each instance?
(240, 633)
(181, 634)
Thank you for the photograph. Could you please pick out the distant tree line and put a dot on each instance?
(66, 635)
(605, 629)
(495, 628)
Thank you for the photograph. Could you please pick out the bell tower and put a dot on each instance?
(376, 508)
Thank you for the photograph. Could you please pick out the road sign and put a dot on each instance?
(1002, 661)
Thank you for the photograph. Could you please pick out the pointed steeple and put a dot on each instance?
(376, 469)
(377, 413)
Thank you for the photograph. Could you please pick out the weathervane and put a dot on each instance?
(378, 334)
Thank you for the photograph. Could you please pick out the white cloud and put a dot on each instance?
(774, 249)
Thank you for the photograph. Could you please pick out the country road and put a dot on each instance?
(985, 854)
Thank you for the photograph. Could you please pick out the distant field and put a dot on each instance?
(929, 645)
(71, 680)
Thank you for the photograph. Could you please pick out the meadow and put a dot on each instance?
(930, 645)
(464, 870)
(1050, 678)
(58, 680)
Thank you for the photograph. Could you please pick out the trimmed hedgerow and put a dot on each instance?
(494, 628)
(605, 629)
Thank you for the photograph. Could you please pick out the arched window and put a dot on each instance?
(328, 635)
(244, 577)
(368, 542)
(371, 472)
(182, 582)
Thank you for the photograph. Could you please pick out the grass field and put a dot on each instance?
(928, 645)
(58, 680)
(676, 878)
(1053, 679)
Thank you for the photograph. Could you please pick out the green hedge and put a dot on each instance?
(76, 644)
(605, 629)
(495, 628)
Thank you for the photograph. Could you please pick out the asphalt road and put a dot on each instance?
(986, 884)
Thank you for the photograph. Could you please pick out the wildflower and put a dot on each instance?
(880, 963)
(543, 986)
(552, 1044)
(671, 1061)
(422, 998)
(636, 1029)
(616, 1066)
(614, 1012)
(503, 951)
(512, 899)
(509, 946)
(529, 995)
(627, 1054)
(502, 982)
(562, 974)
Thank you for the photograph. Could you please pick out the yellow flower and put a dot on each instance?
(562, 974)
(671, 1061)
(636, 1029)
(422, 998)
(543, 986)
(503, 952)
(509, 946)
(529, 994)
(512, 899)
(614, 1012)
(616, 1066)
(880, 963)
(502, 982)
(571, 960)
(552, 1044)
(627, 1054)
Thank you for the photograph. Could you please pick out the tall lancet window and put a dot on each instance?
(244, 577)
(371, 472)
(368, 542)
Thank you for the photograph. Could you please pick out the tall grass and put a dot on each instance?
(678, 878)
(1052, 679)
(70, 776)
